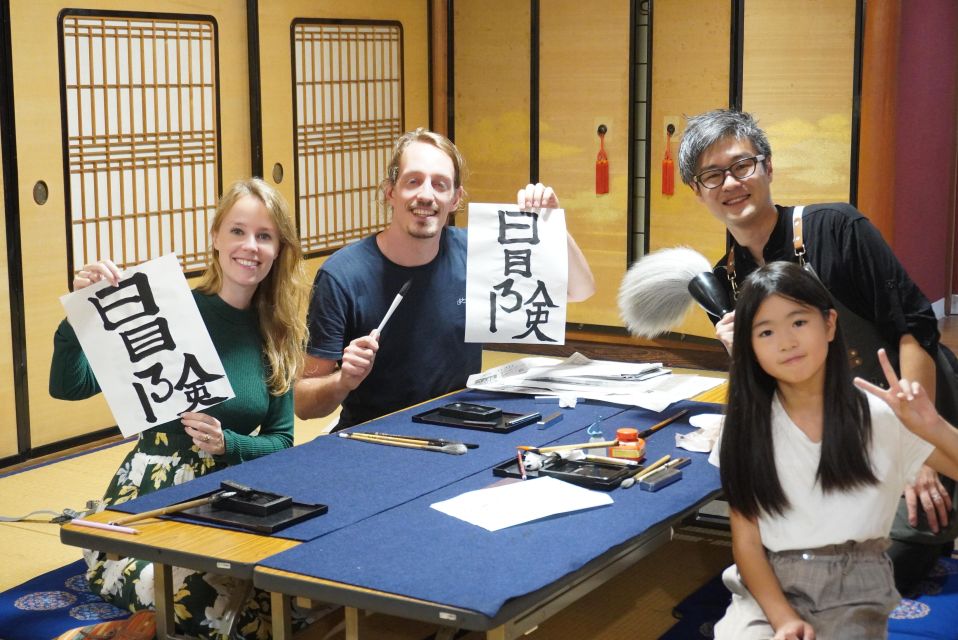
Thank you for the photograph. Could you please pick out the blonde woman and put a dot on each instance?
(252, 300)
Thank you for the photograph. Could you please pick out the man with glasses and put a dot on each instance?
(726, 160)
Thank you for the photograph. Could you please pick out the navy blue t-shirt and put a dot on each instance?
(422, 351)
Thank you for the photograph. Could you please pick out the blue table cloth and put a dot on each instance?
(357, 480)
(416, 551)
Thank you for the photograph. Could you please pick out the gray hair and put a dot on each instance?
(704, 130)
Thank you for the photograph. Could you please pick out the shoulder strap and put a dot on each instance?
(798, 236)
(798, 241)
(730, 269)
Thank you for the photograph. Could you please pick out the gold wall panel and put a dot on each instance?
(43, 228)
(584, 82)
(275, 18)
(798, 72)
(8, 414)
(690, 74)
(492, 102)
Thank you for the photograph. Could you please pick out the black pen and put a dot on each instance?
(523, 419)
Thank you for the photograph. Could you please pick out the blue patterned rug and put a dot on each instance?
(52, 603)
(930, 615)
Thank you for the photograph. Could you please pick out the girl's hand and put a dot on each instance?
(796, 629)
(206, 431)
(91, 273)
(907, 399)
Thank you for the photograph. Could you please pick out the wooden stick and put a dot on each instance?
(570, 447)
(173, 508)
(655, 427)
(652, 468)
(436, 442)
(454, 449)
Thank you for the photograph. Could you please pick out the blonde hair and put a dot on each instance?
(280, 299)
(437, 140)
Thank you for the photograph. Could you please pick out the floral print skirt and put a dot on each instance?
(204, 603)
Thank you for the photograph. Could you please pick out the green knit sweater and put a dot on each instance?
(236, 336)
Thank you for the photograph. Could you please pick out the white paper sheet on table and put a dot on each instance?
(593, 379)
(510, 504)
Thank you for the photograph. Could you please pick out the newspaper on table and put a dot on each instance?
(647, 385)
(148, 345)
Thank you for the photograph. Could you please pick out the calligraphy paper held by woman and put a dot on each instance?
(252, 300)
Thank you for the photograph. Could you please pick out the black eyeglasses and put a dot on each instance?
(740, 169)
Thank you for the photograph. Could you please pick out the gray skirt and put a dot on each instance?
(845, 591)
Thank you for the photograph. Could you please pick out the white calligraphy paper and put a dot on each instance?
(516, 275)
(148, 346)
(507, 505)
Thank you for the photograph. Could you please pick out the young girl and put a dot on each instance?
(813, 469)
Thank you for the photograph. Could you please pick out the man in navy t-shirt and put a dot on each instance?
(422, 351)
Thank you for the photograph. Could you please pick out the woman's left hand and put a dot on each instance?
(206, 431)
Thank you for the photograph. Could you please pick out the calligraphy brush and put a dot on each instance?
(570, 447)
(435, 442)
(454, 449)
(643, 473)
(399, 296)
(174, 508)
(664, 423)
(654, 295)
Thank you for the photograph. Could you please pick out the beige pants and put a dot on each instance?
(844, 591)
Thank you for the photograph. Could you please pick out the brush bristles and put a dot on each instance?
(654, 295)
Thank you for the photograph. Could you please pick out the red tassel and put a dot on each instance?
(668, 167)
(601, 165)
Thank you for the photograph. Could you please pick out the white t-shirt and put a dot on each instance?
(815, 519)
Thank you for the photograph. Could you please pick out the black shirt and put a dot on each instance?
(856, 265)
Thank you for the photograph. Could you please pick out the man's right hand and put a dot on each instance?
(725, 329)
(358, 359)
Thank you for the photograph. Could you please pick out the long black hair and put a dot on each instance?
(749, 477)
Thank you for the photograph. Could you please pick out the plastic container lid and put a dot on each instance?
(627, 434)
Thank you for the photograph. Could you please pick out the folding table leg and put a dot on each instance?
(282, 616)
(499, 633)
(352, 623)
(163, 593)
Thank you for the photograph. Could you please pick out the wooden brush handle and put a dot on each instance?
(173, 508)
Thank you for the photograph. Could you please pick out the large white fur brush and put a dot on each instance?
(654, 295)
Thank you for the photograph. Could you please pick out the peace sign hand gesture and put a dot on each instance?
(907, 399)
